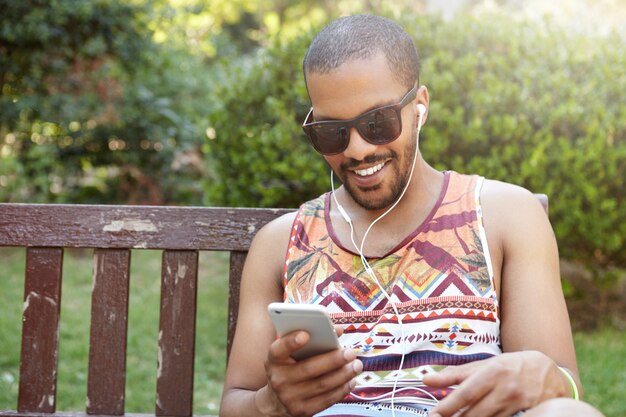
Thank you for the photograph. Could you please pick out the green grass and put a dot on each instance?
(143, 330)
(602, 367)
(600, 354)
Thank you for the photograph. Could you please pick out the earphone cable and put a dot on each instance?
(367, 266)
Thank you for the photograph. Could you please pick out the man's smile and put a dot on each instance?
(370, 170)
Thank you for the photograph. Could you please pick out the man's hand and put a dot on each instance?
(499, 386)
(303, 388)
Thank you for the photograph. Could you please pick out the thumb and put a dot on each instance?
(283, 347)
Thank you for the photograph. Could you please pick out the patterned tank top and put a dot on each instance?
(439, 278)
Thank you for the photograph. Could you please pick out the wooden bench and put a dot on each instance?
(112, 231)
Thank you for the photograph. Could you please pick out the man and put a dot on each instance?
(457, 270)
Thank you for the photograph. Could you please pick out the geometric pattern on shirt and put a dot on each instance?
(438, 277)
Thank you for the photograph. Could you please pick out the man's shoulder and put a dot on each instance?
(493, 192)
(506, 195)
(511, 210)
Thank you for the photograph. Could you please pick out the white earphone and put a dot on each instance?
(422, 111)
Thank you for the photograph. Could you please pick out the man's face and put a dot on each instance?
(373, 175)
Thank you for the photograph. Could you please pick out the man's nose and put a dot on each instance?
(358, 148)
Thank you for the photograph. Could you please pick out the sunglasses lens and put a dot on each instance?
(331, 138)
(380, 126)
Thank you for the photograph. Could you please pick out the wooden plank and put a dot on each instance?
(237, 260)
(109, 324)
(147, 227)
(40, 330)
(11, 413)
(177, 333)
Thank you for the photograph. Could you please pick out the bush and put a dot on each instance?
(92, 110)
(527, 103)
(256, 149)
(540, 107)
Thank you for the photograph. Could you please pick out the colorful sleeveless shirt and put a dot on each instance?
(440, 279)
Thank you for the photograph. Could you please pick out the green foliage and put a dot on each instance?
(537, 106)
(91, 109)
(110, 101)
(527, 103)
(258, 153)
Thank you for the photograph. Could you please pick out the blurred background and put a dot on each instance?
(200, 102)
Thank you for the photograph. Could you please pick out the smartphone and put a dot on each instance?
(313, 319)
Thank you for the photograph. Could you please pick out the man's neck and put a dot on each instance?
(421, 196)
(423, 191)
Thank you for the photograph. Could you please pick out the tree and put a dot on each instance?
(86, 111)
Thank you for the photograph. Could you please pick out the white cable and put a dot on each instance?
(366, 264)
(381, 396)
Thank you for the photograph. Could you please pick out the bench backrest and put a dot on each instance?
(112, 231)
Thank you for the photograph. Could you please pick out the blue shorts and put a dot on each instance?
(374, 410)
(379, 410)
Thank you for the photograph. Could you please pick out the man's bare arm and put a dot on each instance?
(533, 311)
(260, 285)
(262, 379)
(535, 330)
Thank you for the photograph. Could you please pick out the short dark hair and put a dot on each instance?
(360, 37)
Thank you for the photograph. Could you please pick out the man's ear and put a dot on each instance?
(421, 105)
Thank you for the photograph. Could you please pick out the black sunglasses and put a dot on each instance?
(377, 126)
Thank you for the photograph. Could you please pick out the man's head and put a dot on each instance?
(361, 74)
(360, 37)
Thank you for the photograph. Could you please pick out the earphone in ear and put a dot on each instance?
(421, 109)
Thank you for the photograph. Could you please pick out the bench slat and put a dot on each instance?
(40, 330)
(109, 323)
(177, 333)
(237, 260)
(143, 227)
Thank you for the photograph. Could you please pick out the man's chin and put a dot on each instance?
(366, 197)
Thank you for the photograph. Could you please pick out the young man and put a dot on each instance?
(421, 270)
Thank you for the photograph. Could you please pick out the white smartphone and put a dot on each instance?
(313, 319)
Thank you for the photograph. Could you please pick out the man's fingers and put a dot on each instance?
(313, 367)
(452, 375)
(326, 399)
(464, 396)
(329, 362)
(474, 399)
(332, 381)
(483, 390)
(310, 384)
(282, 348)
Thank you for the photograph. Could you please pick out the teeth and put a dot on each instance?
(370, 170)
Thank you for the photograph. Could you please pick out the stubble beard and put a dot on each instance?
(365, 196)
